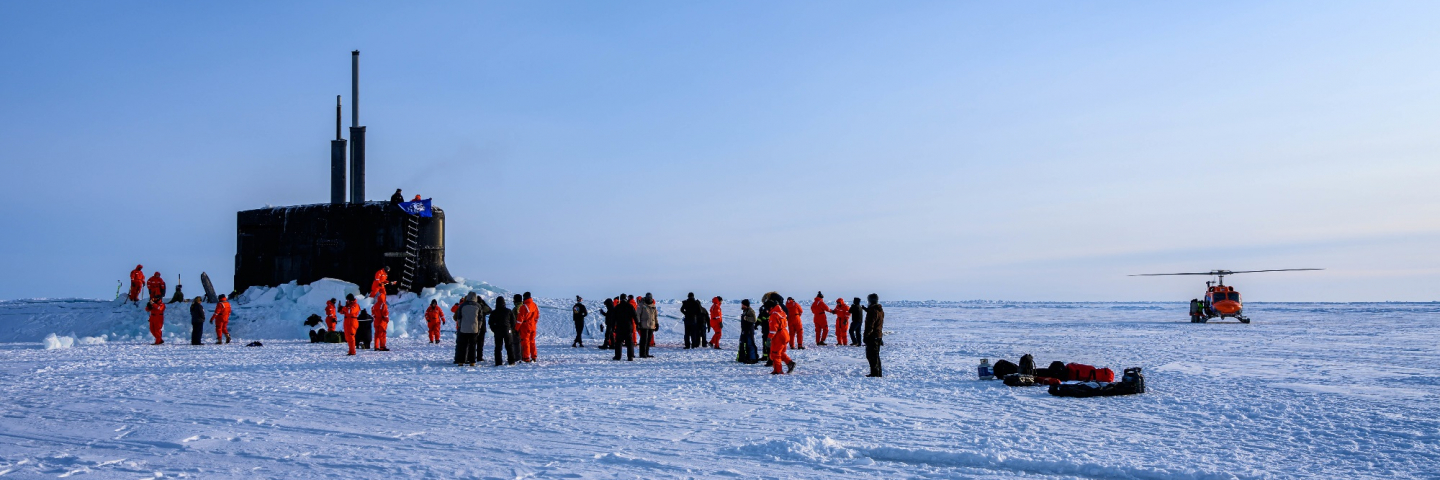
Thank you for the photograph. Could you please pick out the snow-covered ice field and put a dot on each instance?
(1338, 391)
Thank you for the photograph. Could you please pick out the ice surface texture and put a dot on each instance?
(1307, 391)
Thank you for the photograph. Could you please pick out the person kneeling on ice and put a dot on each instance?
(779, 340)
(874, 332)
(351, 311)
(221, 319)
(156, 307)
(197, 322)
(434, 318)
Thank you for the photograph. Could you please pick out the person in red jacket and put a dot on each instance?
(822, 325)
(381, 312)
(330, 315)
(715, 321)
(137, 280)
(779, 338)
(221, 319)
(156, 286)
(527, 318)
(351, 311)
(434, 318)
(156, 307)
(842, 322)
(797, 325)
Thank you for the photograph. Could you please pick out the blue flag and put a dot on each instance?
(418, 207)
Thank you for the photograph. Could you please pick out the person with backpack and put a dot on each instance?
(747, 334)
(647, 321)
(624, 329)
(842, 322)
(197, 322)
(502, 321)
(221, 319)
(874, 333)
(156, 307)
(578, 314)
(857, 323)
(818, 309)
(470, 341)
(796, 325)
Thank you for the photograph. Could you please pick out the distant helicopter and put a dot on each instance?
(1220, 300)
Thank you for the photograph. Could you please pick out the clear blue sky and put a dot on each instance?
(945, 150)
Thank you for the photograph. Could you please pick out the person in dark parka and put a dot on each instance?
(624, 329)
(692, 312)
(609, 321)
(197, 322)
(874, 332)
(747, 334)
(502, 322)
(857, 323)
(470, 334)
(578, 314)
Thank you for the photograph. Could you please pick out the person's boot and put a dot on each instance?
(227, 338)
(790, 366)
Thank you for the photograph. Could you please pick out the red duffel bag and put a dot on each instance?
(1104, 375)
(1081, 372)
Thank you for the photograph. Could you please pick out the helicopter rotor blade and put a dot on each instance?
(1225, 272)
(1165, 274)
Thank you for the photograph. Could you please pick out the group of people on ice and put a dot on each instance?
(155, 307)
(631, 322)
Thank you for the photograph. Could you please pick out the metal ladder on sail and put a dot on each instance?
(412, 252)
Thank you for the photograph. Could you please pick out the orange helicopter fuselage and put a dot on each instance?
(1224, 300)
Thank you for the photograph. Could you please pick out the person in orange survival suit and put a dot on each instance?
(842, 321)
(715, 321)
(351, 311)
(634, 332)
(221, 319)
(330, 314)
(797, 325)
(156, 286)
(156, 307)
(381, 312)
(434, 318)
(377, 287)
(779, 339)
(137, 280)
(528, 326)
(822, 325)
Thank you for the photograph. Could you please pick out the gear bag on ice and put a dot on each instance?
(1004, 367)
(1027, 365)
(1130, 384)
